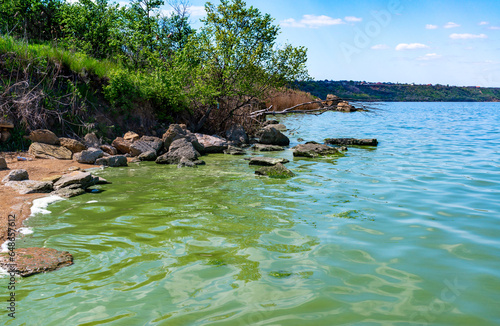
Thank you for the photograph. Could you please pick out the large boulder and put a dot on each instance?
(122, 145)
(176, 131)
(70, 191)
(112, 161)
(82, 179)
(31, 261)
(178, 149)
(91, 140)
(266, 161)
(271, 136)
(109, 149)
(30, 186)
(88, 156)
(147, 156)
(16, 175)
(72, 144)
(146, 144)
(237, 135)
(154, 142)
(44, 136)
(313, 149)
(40, 150)
(212, 144)
(276, 171)
(351, 141)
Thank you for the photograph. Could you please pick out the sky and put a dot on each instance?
(448, 42)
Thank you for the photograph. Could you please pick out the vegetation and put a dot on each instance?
(362, 91)
(92, 65)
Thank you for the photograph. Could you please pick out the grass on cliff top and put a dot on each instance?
(76, 61)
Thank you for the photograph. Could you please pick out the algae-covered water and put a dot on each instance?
(404, 233)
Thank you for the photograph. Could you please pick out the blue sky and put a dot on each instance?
(407, 41)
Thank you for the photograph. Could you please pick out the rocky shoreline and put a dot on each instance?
(67, 162)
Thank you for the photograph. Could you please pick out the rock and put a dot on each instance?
(30, 186)
(270, 122)
(88, 156)
(280, 127)
(233, 150)
(178, 149)
(131, 136)
(237, 135)
(6, 124)
(175, 132)
(313, 149)
(271, 136)
(40, 150)
(4, 135)
(346, 107)
(91, 140)
(154, 142)
(3, 164)
(44, 136)
(212, 144)
(70, 191)
(109, 149)
(52, 178)
(275, 171)
(31, 261)
(102, 181)
(267, 148)
(112, 161)
(139, 146)
(266, 161)
(184, 162)
(72, 144)
(122, 145)
(199, 162)
(351, 141)
(16, 175)
(74, 168)
(82, 179)
(147, 156)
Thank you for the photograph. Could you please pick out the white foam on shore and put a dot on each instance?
(4, 246)
(24, 230)
(40, 204)
(91, 202)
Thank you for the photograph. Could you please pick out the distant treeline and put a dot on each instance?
(363, 91)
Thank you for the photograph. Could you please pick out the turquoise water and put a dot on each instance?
(405, 233)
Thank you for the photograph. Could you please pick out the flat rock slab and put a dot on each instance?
(40, 150)
(351, 141)
(267, 148)
(313, 149)
(233, 150)
(112, 161)
(212, 144)
(278, 171)
(266, 161)
(30, 186)
(82, 179)
(29, 261)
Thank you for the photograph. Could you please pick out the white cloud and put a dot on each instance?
(312, 21)
(494, 27)
(451, 25)
(483, 23)
(429, 56)
(412, 46)
(197, 11)
(430, 26)
(380, 47)
(467, 36)
(352, 19)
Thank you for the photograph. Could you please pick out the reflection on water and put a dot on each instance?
(404, 233)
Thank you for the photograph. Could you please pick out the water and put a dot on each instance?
(405, 233)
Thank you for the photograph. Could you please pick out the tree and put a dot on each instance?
(234, 60)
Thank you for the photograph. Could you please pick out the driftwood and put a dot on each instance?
(322, 109)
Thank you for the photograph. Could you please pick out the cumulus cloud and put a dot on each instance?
(429, 56)
(312, 21)
(412, 46)
(483, 23)
(451, 25)
(467, 36)
(380, 47)
(352, 19)
(430, 26)
(494, 28)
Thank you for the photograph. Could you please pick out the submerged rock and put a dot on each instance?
(351, 141)
(70, 191)
(267, 161)
(313, 149)
(275, 171)
(40, 150)
(233, 150)
(267, 148)
(29, 261)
